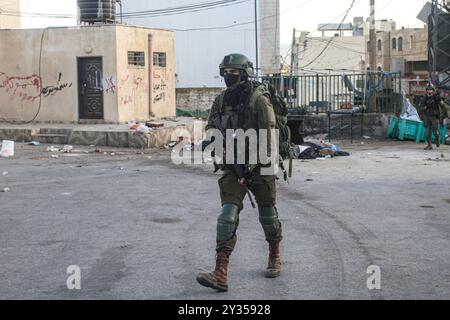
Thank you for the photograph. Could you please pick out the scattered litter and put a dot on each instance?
(7, 149)
(67, 149)
(5, 173)
(362, 143)
(316, 150)
(121, 168)
(309, 180)
(105, 153)
(6, 190)
(52, 149)
(367, 137)
(139, 127)
(113, 154)
(65, 194)
(55, 156)
(150, 157)
(172, 144)
(34, 143)
(154, 124)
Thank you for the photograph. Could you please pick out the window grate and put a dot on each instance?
(136, 58)
(159, 59)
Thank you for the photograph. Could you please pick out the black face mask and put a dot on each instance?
(232, 79)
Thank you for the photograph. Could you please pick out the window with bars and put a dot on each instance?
(159, 59)
(136, 58)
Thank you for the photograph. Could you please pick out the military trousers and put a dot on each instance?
(232, 193)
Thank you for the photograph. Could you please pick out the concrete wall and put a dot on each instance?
(197, 99)
(270, 36)
(23, 76)
(10, 21)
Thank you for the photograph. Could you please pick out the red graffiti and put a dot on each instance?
(26, 88)
(137, 82)
(126, 99)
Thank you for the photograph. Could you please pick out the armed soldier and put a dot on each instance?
(432, 112)
(243, 106)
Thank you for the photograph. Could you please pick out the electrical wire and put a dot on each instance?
(40, 88)
(331, 40)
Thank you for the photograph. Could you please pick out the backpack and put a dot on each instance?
(280, 109)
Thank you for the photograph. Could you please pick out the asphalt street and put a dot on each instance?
(140, 227)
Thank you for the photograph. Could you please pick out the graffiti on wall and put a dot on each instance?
(29, 88)
(52, 90)
(159, 87)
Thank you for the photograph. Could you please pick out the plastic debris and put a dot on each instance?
(55, 156)
(6, 190)
(67, 149)
(52, 149)
(7, 149)
(4, 173)
(34, 143)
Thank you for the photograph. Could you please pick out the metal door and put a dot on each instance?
(90, 88)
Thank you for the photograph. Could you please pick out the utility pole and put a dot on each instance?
(372, 56)
(256, 37)
(293, 57)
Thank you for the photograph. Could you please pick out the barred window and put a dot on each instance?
(136, 58)
(159, 59)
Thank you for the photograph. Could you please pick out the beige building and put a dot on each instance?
(9, 14)
(107, 73)
(342, 53)
(404, 50)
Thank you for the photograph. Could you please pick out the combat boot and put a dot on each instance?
(429, 147)
(218, 278)
(274, 264)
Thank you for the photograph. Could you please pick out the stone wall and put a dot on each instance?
(196, 99)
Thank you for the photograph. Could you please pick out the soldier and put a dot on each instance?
(242, 106)
(432, 112)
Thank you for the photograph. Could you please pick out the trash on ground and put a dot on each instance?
(67, 149)
(34, 143)
(314, 150)
(367, 137)
(52, 149)
(139, 127)
(5, 173)
(55, 156)
(7, 149)
(5, 190)
(154, 124)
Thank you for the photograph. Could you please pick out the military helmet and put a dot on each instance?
(237, 61)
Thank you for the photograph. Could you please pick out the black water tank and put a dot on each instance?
(95, 11)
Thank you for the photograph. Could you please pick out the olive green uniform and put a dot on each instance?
(232, 194)
(432, 112)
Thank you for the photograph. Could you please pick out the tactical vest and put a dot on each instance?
(233, 119)
(432, 106)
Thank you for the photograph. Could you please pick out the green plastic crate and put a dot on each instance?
(393, 127)
(410, 130)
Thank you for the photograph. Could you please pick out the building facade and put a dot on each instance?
(404, 50)
(105, 74)
(203, 38)
(9, 14)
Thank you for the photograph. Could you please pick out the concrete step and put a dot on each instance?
(51, 138)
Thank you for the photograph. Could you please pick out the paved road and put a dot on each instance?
(140, 227)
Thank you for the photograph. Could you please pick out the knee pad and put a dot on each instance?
(268, 216)
(227, 222)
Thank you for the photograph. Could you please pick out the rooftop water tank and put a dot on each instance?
(97, 11)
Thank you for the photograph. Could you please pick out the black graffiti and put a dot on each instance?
(51, 90)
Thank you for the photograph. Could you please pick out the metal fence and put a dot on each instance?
(321, 93)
